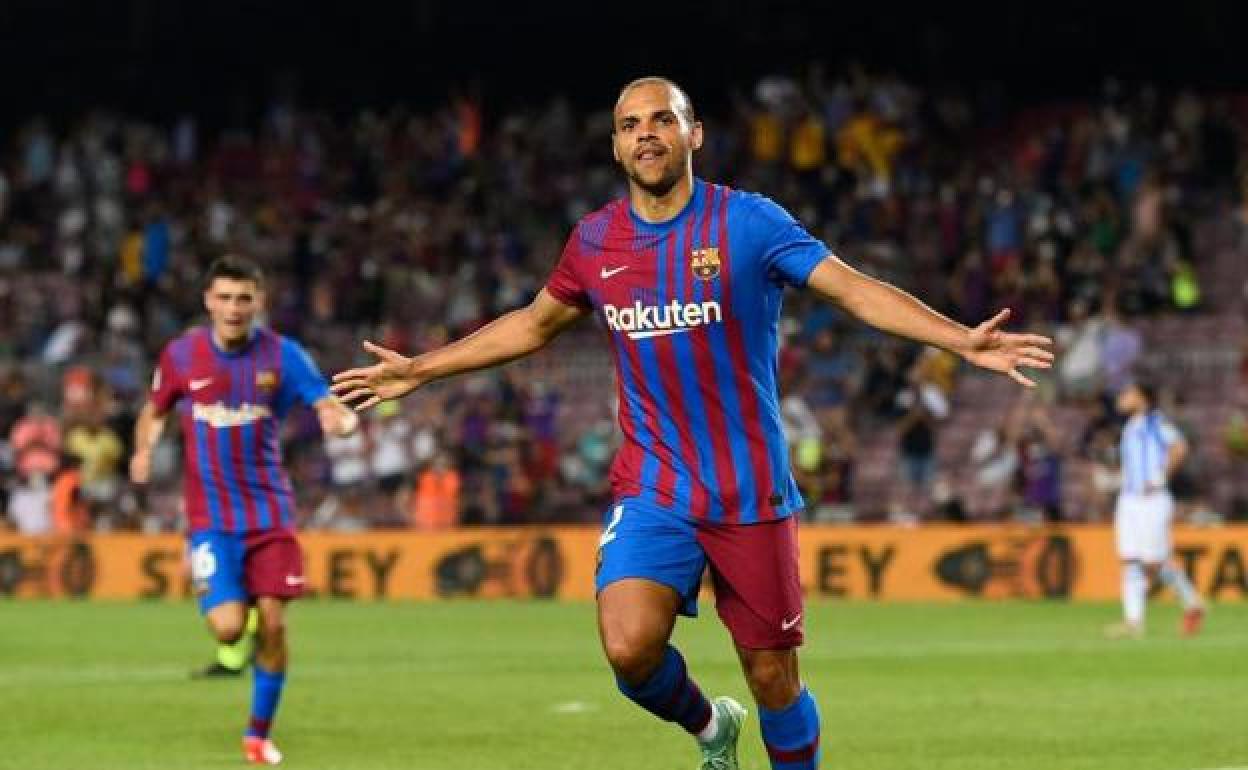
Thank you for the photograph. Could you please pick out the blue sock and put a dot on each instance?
(671, 695)
(266, 691)
(791, 734)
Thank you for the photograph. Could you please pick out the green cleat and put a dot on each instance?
(721, 753)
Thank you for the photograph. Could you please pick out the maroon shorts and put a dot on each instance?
(273, 564)
(758, 590)
(233, 567)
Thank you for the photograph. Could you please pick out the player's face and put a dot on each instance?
(1130, 401)
(651, 139)
(232, 305)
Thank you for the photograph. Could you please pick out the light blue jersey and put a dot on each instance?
(1146, 442)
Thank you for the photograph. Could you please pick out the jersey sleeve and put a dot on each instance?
(1169, 433)
(787, 250)
(167, 385)
(564, 283)
(301, 379)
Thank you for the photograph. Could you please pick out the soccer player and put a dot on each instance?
(687, 278)
(231, 382)
(1152, 451)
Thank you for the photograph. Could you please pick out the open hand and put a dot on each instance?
(391, 377)
(1005, 352)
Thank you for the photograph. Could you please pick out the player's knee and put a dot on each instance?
(227, 631)
(633, 657)
(773, 680)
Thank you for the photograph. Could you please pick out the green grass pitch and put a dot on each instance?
(519, 686)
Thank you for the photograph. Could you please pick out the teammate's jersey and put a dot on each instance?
(692, 309)
(1146, 442)
(230, 405)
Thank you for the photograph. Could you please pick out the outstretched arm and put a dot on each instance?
(147, 431)
(507, 338)
(892, 310)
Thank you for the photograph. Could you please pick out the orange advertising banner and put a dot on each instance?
(939, 563)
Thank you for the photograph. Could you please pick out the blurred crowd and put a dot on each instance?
(412, 228)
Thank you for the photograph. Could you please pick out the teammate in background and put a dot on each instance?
(231, 383)
(1152, 451)
(687, 277)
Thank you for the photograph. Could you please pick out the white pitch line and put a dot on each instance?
(573, 707)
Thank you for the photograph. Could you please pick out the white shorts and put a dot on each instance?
(1142, 527)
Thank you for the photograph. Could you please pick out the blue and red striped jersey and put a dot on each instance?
(692, 310)
(230, 405)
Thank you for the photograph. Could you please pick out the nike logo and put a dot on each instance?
(298, 580)
(200, 384)
(787, 625)
(605, 273)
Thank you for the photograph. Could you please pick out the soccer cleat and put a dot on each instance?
(1124, 631)
(215, 670)
(1193, 619)
(721, 753)
(260, 751)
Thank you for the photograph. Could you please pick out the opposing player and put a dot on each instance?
(687, 277)
(230, 383)
(1152, 452)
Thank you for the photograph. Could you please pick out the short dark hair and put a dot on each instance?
(685, 109)
(1148, 389)
(235, 268)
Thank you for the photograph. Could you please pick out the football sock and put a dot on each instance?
(266, 691)
(1178, 581)
(671, 695)
(1134, 592)
(791, 734)
(709, 733)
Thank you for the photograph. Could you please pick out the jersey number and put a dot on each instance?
(203, 562)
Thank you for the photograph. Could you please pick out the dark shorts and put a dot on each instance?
(237, 567)
(754, 567)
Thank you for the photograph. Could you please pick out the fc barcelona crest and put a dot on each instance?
(705, 262)
(266, 379)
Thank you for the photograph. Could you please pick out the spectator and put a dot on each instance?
(30, 505)
(435, 502)
(1079, 341)
(70, 513)
(389, 433)
(1120, 348)
(36, 443)
(994, 463)
(99, 452)
(1235, 441)
(1040, 464)
(923, 405)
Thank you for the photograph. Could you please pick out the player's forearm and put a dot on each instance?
(148, 429)
(1174, 460)
(512, 336)
(890, 309)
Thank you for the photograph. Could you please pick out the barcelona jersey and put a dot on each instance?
(230, 405)
(692, 310)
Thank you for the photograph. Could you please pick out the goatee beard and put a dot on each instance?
(662, 187)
